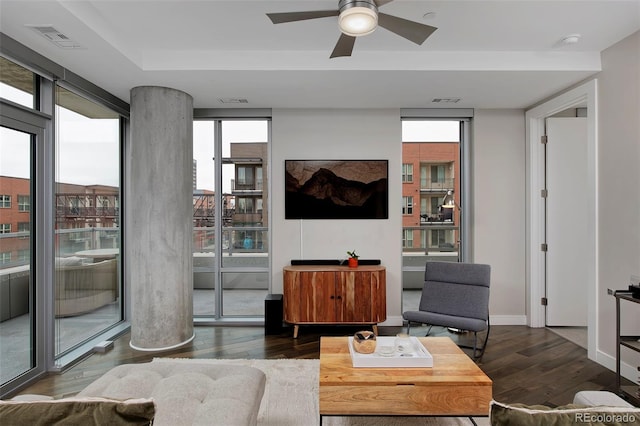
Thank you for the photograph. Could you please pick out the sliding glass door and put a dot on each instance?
(17, 316)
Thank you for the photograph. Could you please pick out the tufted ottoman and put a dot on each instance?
(187, 393)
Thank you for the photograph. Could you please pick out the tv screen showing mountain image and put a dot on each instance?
(336, 189)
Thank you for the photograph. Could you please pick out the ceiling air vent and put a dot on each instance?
(233, 101)
(55, 36)
(446, 100)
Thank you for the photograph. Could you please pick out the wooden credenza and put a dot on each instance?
(334, 295)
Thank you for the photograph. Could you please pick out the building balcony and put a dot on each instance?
(445, 217)
(88, 212)
(201, 212)
(247, 218)
(444, 185)
(247, 188)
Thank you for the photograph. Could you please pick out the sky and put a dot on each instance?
(88, 149)
(14, 146)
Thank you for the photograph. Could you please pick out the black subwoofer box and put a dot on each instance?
(273, 314)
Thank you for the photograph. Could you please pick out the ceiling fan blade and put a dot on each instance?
(280, 18)
(344, 46)
(410, 30)
(381, 2)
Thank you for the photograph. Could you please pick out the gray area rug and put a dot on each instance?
(291, 397)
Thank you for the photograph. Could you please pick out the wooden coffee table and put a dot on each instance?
(454, 386)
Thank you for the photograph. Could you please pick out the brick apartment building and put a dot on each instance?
(429, 171)
(15, 217)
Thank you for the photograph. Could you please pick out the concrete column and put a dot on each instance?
(159, 218)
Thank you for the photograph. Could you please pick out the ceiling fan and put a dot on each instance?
(358, 18)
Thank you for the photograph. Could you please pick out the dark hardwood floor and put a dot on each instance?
(527, 365)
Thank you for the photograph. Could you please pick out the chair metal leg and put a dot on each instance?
(475, 343)
(478, 352)
(486, 339)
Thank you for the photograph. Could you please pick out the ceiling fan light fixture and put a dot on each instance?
(358, 18)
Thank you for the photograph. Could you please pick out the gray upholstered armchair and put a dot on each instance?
(455, 295)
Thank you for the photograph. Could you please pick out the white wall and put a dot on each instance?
(498, 185)
(619, 187)
(499, 193)
(328, 134)
(498, 180)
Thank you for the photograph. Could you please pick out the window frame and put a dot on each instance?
(407, 205)
(407, 172)
(407, 236)
(22, 203)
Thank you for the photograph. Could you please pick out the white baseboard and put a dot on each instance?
(508, 319)
(627, 371)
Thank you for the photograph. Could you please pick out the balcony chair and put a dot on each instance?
(455, 295)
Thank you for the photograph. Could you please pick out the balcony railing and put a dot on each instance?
(98, 205)
(441, 185)
(67, 243)
(444, 217)
(92, 212)
(247, 185)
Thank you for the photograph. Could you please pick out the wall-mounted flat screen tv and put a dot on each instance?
(336, 189)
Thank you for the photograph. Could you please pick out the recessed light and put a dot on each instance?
(571, 39)
(429, 15)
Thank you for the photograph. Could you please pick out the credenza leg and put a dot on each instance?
(375, 329)
(296, 327)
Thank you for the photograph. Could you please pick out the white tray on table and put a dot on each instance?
(418, 357)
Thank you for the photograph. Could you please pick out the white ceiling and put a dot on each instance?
(491, 54)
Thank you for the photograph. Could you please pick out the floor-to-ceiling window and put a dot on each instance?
(60, 273)
(231, 234)
(87, 220)
(432, 229)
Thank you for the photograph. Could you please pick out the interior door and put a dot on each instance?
(566, 222)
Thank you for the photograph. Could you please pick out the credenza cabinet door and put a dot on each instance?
(317, 297)
(309, 297)
(355, 296)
